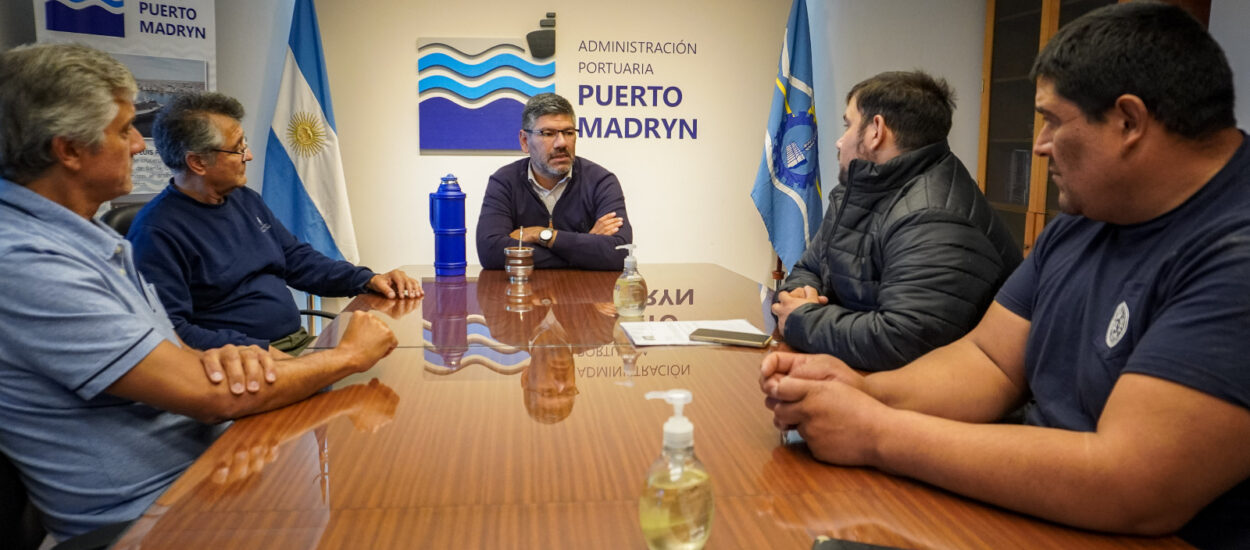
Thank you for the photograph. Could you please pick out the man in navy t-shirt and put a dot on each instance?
(1125, 330)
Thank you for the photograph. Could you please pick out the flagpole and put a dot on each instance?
(779, 274)
(786, 191)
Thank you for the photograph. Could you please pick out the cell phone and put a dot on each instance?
(732, 338)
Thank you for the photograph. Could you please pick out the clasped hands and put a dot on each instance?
(367, 339)
(788, 301)
(827, 402)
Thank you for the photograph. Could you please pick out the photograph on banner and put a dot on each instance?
(169, 47)
(160, 79)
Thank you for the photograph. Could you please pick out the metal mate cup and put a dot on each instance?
(518, 263)
(519, 294)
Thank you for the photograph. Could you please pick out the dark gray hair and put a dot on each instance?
(184, 126)
(55, 90)
(544, 104)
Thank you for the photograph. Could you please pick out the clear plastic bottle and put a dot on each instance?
(630, 294)
(676, 506)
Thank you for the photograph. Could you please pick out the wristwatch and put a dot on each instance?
(545, 236)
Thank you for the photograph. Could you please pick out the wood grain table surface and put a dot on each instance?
(535, 434)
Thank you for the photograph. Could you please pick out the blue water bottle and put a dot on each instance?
(447, 218)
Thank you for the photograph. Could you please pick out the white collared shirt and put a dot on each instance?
(550, 197)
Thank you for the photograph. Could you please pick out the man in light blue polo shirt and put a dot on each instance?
(103, 407)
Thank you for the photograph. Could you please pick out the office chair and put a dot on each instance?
(120, 217)
(19, 520)
(310, 313)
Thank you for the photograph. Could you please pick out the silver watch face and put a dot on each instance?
(545, 234)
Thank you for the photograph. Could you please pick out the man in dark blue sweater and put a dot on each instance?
(219, 259)
(571, 210)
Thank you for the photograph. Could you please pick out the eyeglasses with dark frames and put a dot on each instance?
(549, 134)
(241, 152)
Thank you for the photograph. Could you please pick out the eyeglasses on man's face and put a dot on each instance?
(548, 134)
(242, 152)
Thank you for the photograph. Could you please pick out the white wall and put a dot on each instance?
(17, 23)
(692, 207)
(1229, 19)
(251, 46)
(688, 201)
(371, 53)
(860, 39)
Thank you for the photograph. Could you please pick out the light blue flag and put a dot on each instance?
(304, 183)
(787, 187)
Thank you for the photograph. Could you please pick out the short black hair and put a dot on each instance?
(915, 106)
(1154, 51)
(183, 126)
(542, 105)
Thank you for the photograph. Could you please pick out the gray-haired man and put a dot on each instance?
(103, 405)
(220, 260)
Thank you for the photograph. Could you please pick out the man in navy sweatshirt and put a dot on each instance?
(570, 210)
(219, 258)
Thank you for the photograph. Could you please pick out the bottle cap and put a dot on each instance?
(678, 430)
(449, 184)
(630, 261)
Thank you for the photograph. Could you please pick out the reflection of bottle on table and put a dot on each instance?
(449, 319)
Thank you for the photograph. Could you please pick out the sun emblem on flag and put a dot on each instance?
(306, 134)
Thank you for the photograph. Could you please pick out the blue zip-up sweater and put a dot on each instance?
(222, 270)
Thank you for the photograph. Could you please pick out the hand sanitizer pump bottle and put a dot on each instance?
(676, 505)
(630, 294)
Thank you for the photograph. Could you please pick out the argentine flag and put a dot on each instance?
(304, 183)
(787, 185)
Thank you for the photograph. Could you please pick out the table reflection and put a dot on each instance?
(524, 328)
(549, 382)
(230, 476)
(447, 304)
(461, 466)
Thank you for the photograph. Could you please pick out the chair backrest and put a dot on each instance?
(120, 216)
(19, 522)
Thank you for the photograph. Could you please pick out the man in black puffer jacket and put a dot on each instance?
(910, 253)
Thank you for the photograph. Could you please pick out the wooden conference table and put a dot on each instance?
(515, 418)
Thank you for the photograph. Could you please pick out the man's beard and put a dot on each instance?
(844, 172)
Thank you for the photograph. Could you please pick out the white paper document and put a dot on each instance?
(677, 333)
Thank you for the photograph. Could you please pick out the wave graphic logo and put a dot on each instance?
(99, 17)
(472, 92)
